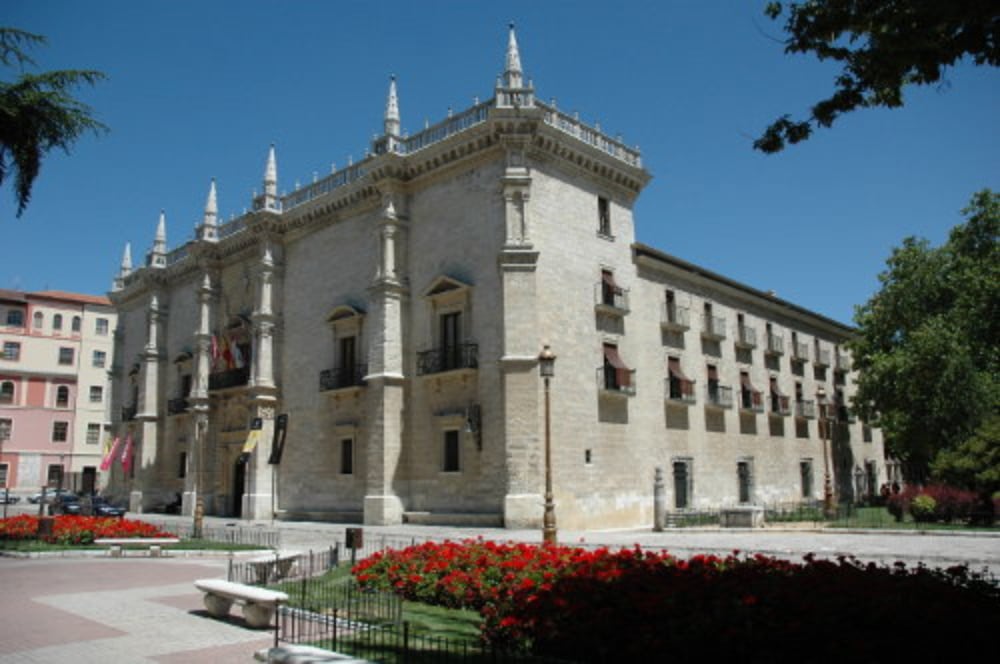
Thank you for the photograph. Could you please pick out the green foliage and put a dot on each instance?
(883, 46)
(926, 347)
(37, 113)
(975, 462)
(922, 508)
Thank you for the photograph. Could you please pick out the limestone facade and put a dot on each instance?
(393, 312)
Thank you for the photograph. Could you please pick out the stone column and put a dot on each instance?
(195, 479)
(147, 441)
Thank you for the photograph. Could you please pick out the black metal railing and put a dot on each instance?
(448, 358)
(618, 381)
(751, 401)
(675, 317)
(611, 297)
(775, 344)
(177, 406)
(221, 380)
(719, 395)
(680, 390)
(341, 377)
(780, 405)
(805, 408)
(128, 413)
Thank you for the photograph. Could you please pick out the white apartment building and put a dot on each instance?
(54, 387)
(382, 326)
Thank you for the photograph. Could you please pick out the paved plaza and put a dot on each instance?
(97, 609)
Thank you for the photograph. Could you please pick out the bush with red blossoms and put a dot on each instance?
(72, 529)
(949, 503)
(634, 605)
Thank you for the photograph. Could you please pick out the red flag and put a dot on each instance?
(127, 454)
(109, 456)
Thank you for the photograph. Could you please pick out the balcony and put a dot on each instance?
(128, 413)
(177, 406)
(780, 405)
(714, 329)
(843, 362)
(751, 401)
(775, 345)
(613, 381)
(822, 358)
(805, 409)
(448, 358)
(222, 380)
(746, 337)
(610, 300)
(800, 352)
(340, 378)
(679, 391)
(674, 318)
(718, 396)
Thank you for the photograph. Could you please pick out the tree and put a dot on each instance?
(927, 348)
(883, 45)
(37, 113)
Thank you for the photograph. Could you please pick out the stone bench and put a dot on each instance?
(116, 544)
(276, 568)
(259, 604)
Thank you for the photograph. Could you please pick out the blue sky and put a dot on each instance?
(200, 89)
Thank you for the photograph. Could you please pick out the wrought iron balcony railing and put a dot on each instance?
(616, 381)
(746, 337)
(222, 380)
(674, 317)
(719, 396)
(128, 413)
(751, 401)
(822, 358)
(775, 344)
(177, 406)
(780, 405)
(800, 351)
(715, 328)
(448, 358)
(805, 408)
(340, 377)
(681, 391)
(843, 362)
(611, 299)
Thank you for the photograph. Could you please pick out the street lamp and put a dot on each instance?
(824, 431)
(546, 368)
(4, 433)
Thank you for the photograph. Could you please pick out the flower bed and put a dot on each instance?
(604, 605)
(71, 529)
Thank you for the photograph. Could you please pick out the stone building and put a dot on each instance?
(54, 388)
(394, 312)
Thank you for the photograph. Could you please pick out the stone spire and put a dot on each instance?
(511, 91)
(158, 254)
(209, 229)
(512, 72)
(391, 123)
(125, 269)
(269, 199)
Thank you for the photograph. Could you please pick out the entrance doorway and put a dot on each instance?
(88, 481)
(239, 486)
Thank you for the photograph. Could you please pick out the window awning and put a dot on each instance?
(622, 372)
(775, 390)
(713, 373)
(674, 366)
(745, 382)
(608, 278)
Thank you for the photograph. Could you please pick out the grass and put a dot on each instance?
(879, 517)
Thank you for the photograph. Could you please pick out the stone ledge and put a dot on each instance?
(484, 519)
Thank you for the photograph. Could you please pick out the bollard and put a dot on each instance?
(659, 501)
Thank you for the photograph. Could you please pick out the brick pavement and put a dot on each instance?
(115, 611)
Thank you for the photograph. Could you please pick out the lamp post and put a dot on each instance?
(6, 476)
(824, 423)
(546, 368)
(198, 524)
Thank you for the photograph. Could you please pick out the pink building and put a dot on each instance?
(55, 353)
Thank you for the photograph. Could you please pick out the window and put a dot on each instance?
(7, 392)
(96, 394)
(76, 324)
(11, 350)
(347, 358)
(100, 358)
(60, 432)
(57, 322)
(101, 326)
(744, 475)
(779, 402)
(93, 434)
(682, 484)
(451, 449)
(680, 387)
(3, 475)
(617, 375)
(866, 433)
(6, 426)
(39, 320)
(347, 456)
(65, 356)
(806, 473)
(612, 295)
(15, 318)
(451, 341)
(62, 397)
(603, 217)
(55, 475)
(750, 397)
(182, 465)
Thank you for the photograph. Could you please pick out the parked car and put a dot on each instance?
(8, 498)
(66, 503)
(88, 506)
(49, 495)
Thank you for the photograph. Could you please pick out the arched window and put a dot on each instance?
(7, 392)
(62, 397)
(76, 323)
(57, 322)
(39, 319)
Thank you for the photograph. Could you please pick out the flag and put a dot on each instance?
(226, 354)
(110, 451)
(278, 443)
(252, 439)
(127, 454)
(237, 356)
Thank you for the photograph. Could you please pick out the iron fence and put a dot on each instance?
(264, 537)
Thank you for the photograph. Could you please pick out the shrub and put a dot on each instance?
(923, 507)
